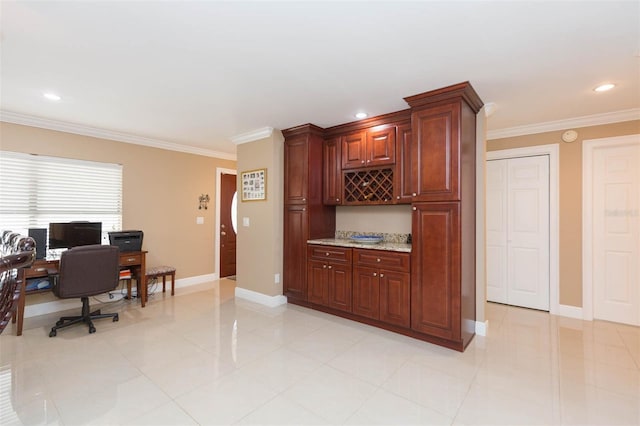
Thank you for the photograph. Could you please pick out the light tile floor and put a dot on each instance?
(203, 357)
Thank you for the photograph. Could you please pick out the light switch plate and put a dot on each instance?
(245, 221)
(199, 220)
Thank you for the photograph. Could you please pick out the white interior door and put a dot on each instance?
(496, 219)
(518, 231)
(616, 233)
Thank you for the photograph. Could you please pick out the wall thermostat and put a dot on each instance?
(570, 136)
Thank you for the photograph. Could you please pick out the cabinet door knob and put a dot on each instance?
(368, 161)
(304, 199)
(324, 266)
(362, 161)
(338, 199)
(375, 274)
(414, 208)
(304, 209)
(414, 194)
(329, 266)
(398, 197)
(378, 260)
(326, 254)
(381, 275)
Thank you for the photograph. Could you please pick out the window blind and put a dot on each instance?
(36, 190)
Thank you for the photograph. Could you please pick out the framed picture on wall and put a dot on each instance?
(254, 185)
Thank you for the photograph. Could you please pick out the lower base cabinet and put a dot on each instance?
(381, 286)
(372, 284)
(329, 277)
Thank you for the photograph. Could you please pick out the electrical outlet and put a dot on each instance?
(276, 278)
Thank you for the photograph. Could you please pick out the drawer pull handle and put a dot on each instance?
(131, 259)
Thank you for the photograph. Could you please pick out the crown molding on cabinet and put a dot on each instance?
(253, 135)
(79, 129)
(550, 126)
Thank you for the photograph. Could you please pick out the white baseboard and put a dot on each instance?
(199, 279)
(64, 304)
(263, 299)
(569, 311)
(482, 328)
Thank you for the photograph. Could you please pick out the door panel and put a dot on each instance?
(435, 275)
(497, 231)
(318, 282)
(616, 233)
(528, 232)
(227, 234)
(394, 298)
(366, 292)
(518, 231)
(295, 251)
(339, 286)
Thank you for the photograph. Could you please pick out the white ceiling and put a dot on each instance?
(201, 73)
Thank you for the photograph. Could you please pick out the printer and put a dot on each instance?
(126, 240)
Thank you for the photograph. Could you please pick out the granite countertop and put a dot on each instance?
(384, 245)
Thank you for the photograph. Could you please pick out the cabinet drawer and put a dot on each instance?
(130, 259)
(335, 254)
(40, 268)
(382, 259)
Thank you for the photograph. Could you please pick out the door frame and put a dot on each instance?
(552, 150)
(588, 148)
(219, 172)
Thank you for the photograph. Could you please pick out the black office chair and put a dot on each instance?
(85, 271)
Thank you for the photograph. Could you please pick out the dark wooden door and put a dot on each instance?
(331, 172)
(354, 150)
(395, 298)
(381, 146)
(227, 234)
(402, 178)
(435, 275)
(366, 292)
(339, 277)
(296, 234)
(436, 151)
(296, 160)
(317, 282)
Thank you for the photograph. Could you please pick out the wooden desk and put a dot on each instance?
(134, 260)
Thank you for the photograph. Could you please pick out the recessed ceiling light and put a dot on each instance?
(604, 87)
(361, 115)
(51, 96)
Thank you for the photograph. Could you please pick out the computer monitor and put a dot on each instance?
(72, 234)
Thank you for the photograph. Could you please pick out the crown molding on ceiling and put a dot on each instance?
(253, 135)
(62, 126)
(550, 126)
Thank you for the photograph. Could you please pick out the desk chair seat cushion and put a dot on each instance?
(87, 271)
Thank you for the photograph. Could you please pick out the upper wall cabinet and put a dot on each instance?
(442, 121)
(369, 148)
(331, 172)
(402, 186)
